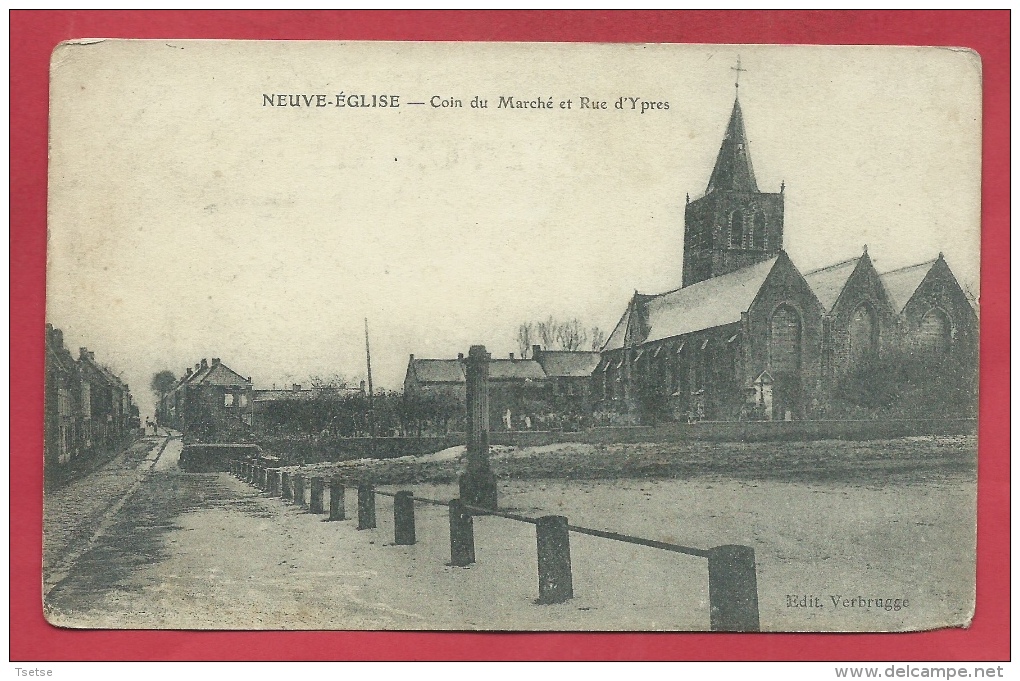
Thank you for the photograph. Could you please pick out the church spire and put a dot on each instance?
(733, 170)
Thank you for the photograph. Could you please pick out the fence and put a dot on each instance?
(732, 577)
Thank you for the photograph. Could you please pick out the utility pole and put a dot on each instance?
(371, 405)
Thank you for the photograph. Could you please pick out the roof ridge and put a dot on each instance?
(907, 267)
(834, 265)
(710, 279)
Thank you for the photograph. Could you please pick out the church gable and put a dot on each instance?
(938, 316)
(862, 321)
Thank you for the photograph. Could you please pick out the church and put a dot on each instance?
(747, 335)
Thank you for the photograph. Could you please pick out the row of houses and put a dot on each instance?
(87, 407)
(211, 401)
(552, 389)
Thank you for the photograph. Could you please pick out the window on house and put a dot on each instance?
(228, 399)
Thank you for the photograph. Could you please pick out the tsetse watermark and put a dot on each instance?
(34, 671)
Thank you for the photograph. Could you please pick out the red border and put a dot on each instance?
(35, 33)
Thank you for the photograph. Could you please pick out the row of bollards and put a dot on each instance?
(733, 591)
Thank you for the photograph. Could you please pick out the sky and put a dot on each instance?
(188, 219)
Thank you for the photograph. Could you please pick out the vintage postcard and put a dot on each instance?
(575, 337)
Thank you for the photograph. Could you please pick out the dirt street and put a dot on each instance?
(208, 551)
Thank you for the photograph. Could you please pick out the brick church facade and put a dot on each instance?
(748, 336)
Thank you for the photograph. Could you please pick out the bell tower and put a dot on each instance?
(733, 225)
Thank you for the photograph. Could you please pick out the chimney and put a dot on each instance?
(460, 356)
(215, 361)
(188, 370)
(511, 355)
(536, 350)
(205, 364)
(197, 367)
(296, 387)
(362, 387)
(412, 356)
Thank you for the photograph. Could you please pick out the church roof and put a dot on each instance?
(561, 363)
(707, 304)
(619, 335)
(900, 284)
(828, 282)
(733, 169)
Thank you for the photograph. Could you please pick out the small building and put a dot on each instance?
(523, 393)
(210, 402)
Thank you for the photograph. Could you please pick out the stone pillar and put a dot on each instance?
(462, 535)
(733, 588)
(403, 518)
(477, 483)
(555, 581)
(315, 505)
(286, 486)
(336, 500)
(299, 489)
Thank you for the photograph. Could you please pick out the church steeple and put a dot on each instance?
(734, 224)
(733, 170)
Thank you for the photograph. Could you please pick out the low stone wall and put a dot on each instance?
(744, 431)
(317, 450)
(210, 458)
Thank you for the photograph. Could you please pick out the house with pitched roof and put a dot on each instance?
(745, 324)
(209, 401)
(520, 390)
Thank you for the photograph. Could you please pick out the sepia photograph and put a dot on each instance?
(511, 336)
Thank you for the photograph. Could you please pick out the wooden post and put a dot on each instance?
(366, 507)
(462, 535)
(555, 582)
(274, 483)
(733, 588)
(403, 518)
(315, 505)
(336, 501)
(299, 489)
(477, 483)
(286, 486)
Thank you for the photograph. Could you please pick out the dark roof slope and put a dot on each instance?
(561, 363)
(438, 370)
(733, 170)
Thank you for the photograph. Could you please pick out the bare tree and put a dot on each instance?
(525, 337)
(547, 332)
(553, 334)
(570, 335)
(598, 338)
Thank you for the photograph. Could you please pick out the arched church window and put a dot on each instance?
(736, 229)
(758, 231)
(934, 335)
(863, 334)
(785, 341)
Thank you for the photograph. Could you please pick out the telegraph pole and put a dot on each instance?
(371, 406)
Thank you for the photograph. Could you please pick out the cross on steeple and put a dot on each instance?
(736, 82)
